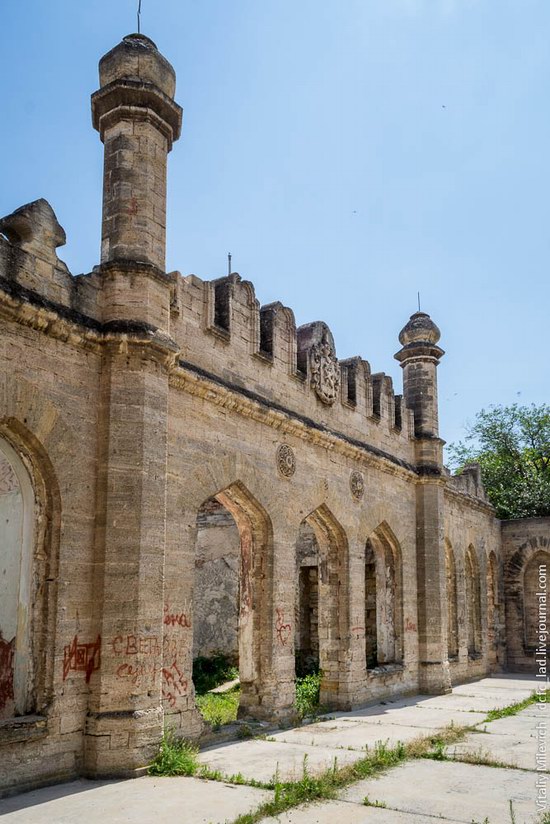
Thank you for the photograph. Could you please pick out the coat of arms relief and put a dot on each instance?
(325, 371)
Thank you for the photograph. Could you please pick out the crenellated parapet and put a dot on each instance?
(221, 327)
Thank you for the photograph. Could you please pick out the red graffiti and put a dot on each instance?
(136, 673)
(358, 632)
(135, 645)
(172, 619)
(173, 683)
(79, 657)
(410, 626)
(7, 653)
(132, 206)
(282, 629)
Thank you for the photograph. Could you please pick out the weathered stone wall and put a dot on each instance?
(143, 407)
(526, 557)
(216, 593)
(472, 538)
(49, 382)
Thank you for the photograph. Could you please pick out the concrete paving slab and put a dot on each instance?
(514, 740)
(417, 715)
(137, 801)
(501, 749)
(463, 792)
(468, 703)
(346, 813)
(523, 724)
(355, 736)
(259, 759)
(508, 681)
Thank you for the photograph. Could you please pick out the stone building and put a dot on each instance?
(181, 466)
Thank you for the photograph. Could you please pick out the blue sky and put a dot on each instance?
(348, 153)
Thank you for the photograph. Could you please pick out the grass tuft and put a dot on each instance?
(218, 708)
(513, 709)
(368, 803)
(289, 794)
(175, 757)
(307, 695)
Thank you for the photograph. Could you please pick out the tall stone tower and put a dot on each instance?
(138, 121)
(419, 359)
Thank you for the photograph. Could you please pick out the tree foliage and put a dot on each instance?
(511, 444)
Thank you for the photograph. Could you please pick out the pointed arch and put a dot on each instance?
(452, 606)
(255, 593)
(383, 598)
(29, 552)
(333, 604)
(473, 601)
(535, 573)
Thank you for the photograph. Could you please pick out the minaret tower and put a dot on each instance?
(138, 121)
(419, 359)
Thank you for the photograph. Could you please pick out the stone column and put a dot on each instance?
(419, 358)
(125, 717)
(137, 120)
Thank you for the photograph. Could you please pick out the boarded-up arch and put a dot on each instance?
(34, 514)
(522, 581)
(535, 600)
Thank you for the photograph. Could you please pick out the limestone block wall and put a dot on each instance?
(183, 457)
(526, 557)
(48, 417)
(261, 349)
(475, 586)
(218, 448)
(216, 592)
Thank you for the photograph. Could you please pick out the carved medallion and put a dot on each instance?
(357, 485)
(325, 371)
(286, 460)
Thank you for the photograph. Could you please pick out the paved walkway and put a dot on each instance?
(417, 792)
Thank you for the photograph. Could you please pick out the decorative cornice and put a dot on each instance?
(197, 381)
(469, 500)
(28, 308)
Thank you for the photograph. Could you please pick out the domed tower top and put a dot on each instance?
(419, 329)
(138, 121)
(137, 58)
(419, 357)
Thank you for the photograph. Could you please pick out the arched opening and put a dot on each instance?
(452, 612)
(493, 611)
(328, 600)
(306, 637)
(17, 524)
(231, 597)
(383, 599)
(535, 610)
(473, 602)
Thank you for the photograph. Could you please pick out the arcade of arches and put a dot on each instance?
(185, 471)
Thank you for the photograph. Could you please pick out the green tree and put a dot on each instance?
(511, 444)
